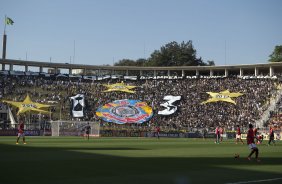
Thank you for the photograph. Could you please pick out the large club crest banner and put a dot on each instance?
(170, 107)
(125, 111)
(77, 105)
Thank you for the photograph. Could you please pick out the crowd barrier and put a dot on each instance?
(133, 133)
(129, 133)
(15, 132)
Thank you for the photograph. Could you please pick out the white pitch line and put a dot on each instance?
(256, 181)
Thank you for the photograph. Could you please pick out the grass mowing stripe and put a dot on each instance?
(256, 181)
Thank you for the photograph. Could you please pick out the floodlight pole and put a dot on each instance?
(4, 40)
(4, 46)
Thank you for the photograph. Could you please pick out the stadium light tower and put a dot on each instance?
(4, 46)
(8, 21)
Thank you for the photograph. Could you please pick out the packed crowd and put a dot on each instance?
(191, 114)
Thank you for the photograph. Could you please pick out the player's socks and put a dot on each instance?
(17, 143)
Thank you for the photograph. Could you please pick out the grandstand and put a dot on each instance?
(259, 84)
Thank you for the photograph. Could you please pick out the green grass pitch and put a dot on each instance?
(73, 160)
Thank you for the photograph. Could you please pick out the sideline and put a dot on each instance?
(256, 181)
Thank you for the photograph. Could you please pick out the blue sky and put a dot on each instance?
(106, 31)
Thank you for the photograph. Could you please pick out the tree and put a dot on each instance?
(210, 63)
(276, 55)
(129, 62)
(141, 62)
(125, 62)
(174, 54)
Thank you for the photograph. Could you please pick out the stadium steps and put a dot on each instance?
(272, 105)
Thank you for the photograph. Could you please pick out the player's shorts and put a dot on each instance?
(252, 145)
(87, 132)
(238, 136)
(20, 134)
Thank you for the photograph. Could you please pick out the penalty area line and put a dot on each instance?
(256, 181)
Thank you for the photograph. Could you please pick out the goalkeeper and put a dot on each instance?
(87, 131)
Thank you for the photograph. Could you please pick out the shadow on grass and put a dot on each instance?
(55, 165)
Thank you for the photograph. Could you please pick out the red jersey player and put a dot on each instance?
(271, 136)
(21, 132)
(251, 143)
(158, 131)
(221, 131)
(256, 134)
(238, 135)
(217, 135)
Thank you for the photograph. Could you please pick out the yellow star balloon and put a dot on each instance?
(222, 96)
(28, 105)
(119, 87)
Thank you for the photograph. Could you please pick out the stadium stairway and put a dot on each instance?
(272, 105)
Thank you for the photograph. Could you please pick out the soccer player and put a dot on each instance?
(271, 136)
(204, 133)
(217, 135)
(238, 135)
(256, 134)
(158, 132)
(221, 131)
(260, 138)
(21, 132)
(278, 137)
(87, 131)
(251, 143)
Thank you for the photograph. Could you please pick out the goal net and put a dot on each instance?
(74, 128)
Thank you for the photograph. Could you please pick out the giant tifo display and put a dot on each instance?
(179, 105)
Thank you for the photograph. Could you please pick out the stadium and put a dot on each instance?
(182, 151)
(141, 92)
